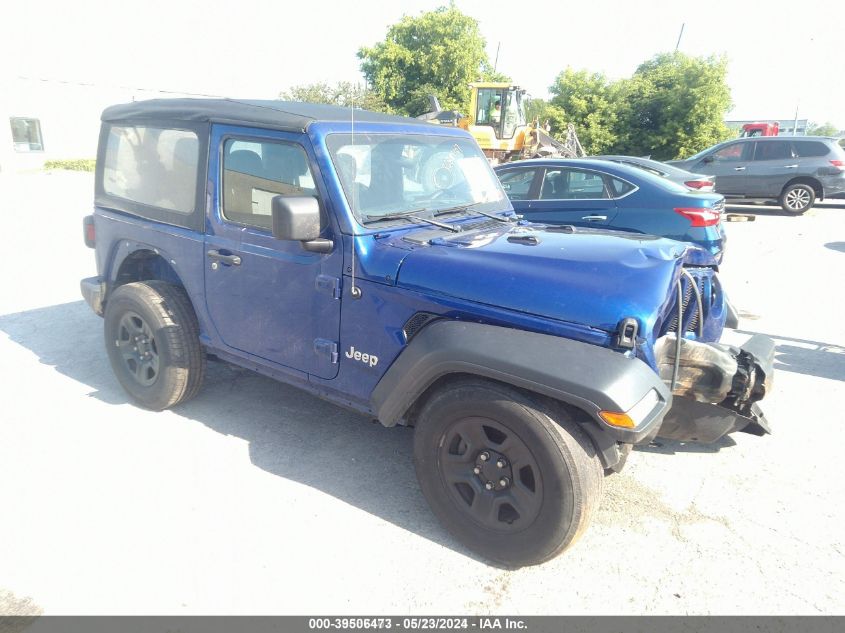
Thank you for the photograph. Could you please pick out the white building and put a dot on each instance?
(48, 119)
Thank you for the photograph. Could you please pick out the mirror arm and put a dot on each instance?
(320, 245)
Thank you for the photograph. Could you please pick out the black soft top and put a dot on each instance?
(286, 115)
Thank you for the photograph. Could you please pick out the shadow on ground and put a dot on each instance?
(290, 433)
(661, 446)
(774, 210)
(297, 436)
(756, 209)
(811, 358)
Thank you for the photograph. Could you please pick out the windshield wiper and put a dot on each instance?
(412, 216)
(467, 207)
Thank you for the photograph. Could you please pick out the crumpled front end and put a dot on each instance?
(716, 388)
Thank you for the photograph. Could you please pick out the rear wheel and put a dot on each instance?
(797, 198)
(152, 340)
(513, 482)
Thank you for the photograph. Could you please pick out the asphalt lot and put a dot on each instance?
(258, 498)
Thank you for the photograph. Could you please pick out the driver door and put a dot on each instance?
(268, 298)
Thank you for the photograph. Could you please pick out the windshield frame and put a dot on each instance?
(362, 221)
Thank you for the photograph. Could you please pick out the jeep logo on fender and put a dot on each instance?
(367, 359)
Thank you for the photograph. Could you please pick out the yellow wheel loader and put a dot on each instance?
(497, 122)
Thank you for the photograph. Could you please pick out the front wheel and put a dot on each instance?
(797, 198)
(513, 482)
(152, 340)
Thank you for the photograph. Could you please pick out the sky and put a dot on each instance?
(781, 57)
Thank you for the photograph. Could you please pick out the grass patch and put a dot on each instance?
(74, 164)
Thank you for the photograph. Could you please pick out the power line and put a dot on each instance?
(112, 86)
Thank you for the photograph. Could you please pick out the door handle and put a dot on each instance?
(739, 168)
(594, 218)
(232, 260)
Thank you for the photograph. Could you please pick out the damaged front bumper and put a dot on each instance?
(716, 388)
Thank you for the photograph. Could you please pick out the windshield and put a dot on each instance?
(386, 174)
(701, 153)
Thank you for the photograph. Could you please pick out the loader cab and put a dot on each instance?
(499, 106)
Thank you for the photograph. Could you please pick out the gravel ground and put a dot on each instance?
(258, 498)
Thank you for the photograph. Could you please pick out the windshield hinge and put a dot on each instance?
(329, 284)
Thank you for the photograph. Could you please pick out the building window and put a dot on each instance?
(26, 134)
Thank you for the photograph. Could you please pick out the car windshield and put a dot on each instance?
(389, 174)
(702, 153)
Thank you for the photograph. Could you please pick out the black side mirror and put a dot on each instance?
(298, 218)
(707, 159)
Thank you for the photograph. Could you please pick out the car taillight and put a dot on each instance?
(88, 231)
(838, 163)
(698, 184)
(700, 216)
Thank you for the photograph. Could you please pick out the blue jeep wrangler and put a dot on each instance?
(376, 262)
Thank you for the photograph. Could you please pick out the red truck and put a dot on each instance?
(759, 129)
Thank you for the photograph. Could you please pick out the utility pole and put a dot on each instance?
(680, 35)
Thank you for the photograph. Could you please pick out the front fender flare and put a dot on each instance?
(588, 377)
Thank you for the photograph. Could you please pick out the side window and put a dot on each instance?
(152, 166)
(517, 182)
(809, 149)
(256, 171)
(733, 153)
(773, 150)
(572, 184)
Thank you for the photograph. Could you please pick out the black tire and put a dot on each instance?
(152, 340)
(797, 198)
(555, 479)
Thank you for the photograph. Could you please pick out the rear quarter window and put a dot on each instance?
(810, 149)
(619, 187)
(152, 166)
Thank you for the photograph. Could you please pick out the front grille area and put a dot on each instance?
(691, 308)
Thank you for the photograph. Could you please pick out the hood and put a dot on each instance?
(587, 276)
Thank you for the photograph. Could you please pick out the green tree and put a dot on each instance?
(544, 111)
(673, 106)
(439, 51)
(822, 129)
(343, 93)
(591, 102)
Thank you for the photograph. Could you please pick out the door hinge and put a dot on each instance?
(326, 348)
(327, 283)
